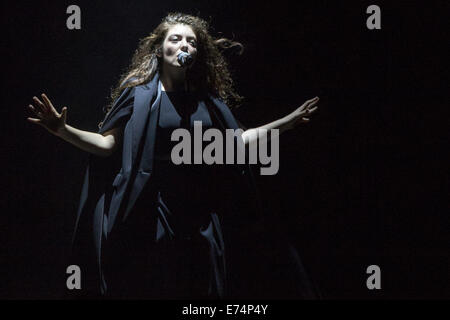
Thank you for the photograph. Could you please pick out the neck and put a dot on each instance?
(173, 79)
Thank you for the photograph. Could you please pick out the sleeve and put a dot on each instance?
(120, 112)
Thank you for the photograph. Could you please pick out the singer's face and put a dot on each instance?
(179, 38)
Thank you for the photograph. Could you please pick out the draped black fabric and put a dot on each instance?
(171, 245)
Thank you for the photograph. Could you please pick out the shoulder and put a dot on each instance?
(130, 88)
(219, 104)
(216, 101)
(225, 112)
(121, 109)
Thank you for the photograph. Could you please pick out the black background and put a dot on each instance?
(365, 182)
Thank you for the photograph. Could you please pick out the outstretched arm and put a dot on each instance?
(299, 115)
(95, 143)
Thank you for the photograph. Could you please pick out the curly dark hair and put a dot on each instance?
(209, 74)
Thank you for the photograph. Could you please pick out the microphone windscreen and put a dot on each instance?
(184, 58)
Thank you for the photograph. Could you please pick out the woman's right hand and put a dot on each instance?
(47, 115)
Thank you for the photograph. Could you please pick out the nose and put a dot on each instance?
(184, 45)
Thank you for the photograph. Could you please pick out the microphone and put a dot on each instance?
(185, 59)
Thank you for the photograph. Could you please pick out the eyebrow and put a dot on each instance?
(179, 35)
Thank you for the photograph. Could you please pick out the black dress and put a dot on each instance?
(171, 245)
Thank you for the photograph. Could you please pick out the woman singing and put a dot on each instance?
(147, 227)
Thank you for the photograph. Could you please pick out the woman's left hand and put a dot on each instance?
(302, 114)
